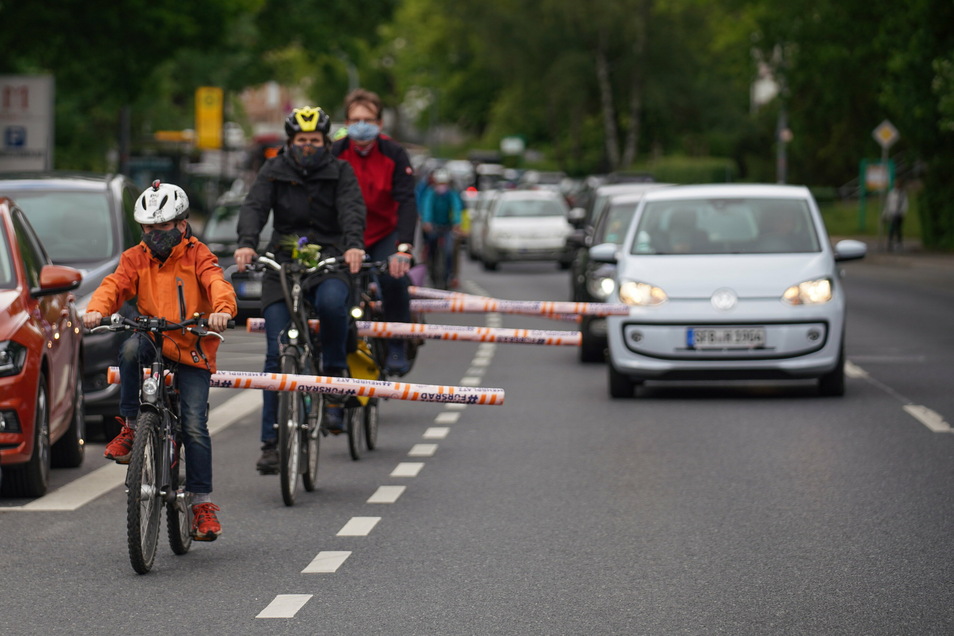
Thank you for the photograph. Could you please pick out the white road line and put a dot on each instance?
(475, 372)
(386, 494)
(483, 361)
(80, 492)
(326, 562)
(453, 406)
(285, 606)
(447, 417)
(358, 527)
(854, 371)
(436, 432)
(422, 450)
(407, 469)
(470, 380)
(931, 419)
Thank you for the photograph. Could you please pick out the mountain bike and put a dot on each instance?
(154, 477)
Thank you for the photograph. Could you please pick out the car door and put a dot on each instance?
(52, 316)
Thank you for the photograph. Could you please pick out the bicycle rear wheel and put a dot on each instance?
(179, 511)
(352, 416)
(291, 417)
(143, 501)
(311, 443)
(370, 417)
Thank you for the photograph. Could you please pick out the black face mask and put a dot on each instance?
(307, 156)
(161, 242)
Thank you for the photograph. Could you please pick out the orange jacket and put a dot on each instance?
(156, 284)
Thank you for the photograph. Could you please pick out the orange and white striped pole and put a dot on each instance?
(412, 330)
(347, 387)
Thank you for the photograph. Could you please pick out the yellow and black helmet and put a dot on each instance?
(307, 119)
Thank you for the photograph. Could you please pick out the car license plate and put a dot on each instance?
(725, 337)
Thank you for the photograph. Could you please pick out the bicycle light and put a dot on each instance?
(150, 390)
(357, 313)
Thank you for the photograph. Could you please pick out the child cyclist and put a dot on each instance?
(169, 264)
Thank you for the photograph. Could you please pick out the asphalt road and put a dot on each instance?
(735, 508)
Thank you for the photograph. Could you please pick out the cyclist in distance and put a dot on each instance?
(170, 265)
(384, 172)
(312, 197)
(441, 210)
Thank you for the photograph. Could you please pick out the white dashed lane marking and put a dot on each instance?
(285, 606)
(326, 562)
(358, 527)
(423, 450)
(437, 432)
(387, 494)
(407, 469)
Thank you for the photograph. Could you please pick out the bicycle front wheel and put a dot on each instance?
(291, 417)
(178, 511)
(143, 499)
(310, 443)
(370, 417)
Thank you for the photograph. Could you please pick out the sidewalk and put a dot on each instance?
(938, 266)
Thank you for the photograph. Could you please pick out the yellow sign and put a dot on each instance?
(208, 117)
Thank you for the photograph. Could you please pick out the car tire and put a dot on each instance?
(33, 478)
(69, 450)
(832, 384)
(591, 349)
(490, 266)
(564, 265)
(620, 386)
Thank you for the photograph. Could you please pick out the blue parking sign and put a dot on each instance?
(15, 137)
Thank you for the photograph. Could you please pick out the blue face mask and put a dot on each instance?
(363, 131)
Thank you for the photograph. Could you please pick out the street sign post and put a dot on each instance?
(26, 122)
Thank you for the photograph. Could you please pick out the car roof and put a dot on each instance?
(715, 190)
(529, 194)
(635, 196)
(55, 180)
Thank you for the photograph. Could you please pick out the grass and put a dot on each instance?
(844, 218)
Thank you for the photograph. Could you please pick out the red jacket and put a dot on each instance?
(387, 185)
(155, 285)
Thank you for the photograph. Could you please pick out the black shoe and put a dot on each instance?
(334, 419)
(268, 462)
(397, 362)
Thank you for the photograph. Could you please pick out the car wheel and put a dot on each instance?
(490, 266)
(69, 450)
(832, 384)
(620, 386)
(564, 264)
(32, 478)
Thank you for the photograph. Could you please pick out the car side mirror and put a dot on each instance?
(56, 279)
(850, 250)
(604, 253)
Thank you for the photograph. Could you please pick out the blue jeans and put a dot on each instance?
(331, 299)
(138, 352)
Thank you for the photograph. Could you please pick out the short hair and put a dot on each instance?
(363, 97)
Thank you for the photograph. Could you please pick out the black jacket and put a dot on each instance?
(324, 204)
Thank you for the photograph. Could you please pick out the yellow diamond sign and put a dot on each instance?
(886, 134)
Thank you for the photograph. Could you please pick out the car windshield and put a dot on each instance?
(74, 226)
(222, 226)
(613, 227)
(726, 226)
(7, 276)
(528, 208)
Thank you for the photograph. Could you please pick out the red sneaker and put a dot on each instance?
(120, 448)
(205, 525)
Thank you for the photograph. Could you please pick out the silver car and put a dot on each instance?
(727, 282)
(525, 225)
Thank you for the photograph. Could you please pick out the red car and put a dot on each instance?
(42, 420)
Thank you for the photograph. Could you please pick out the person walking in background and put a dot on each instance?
(384, 172)
(895, 209)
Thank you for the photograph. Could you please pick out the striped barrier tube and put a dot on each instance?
(347, 387)
(479, 304)
(411, 330)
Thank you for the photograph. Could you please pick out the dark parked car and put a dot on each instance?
(221, 235)
(42, 421)
(593, 282)
(84, 221)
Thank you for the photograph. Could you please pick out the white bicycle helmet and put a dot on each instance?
(161, 203)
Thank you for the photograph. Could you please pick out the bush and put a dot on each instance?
(691, 169)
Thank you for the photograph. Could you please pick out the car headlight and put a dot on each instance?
(810, 292)
(12, 357)
(641, 294)
(601, 282)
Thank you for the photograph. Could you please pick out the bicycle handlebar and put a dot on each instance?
(155, 324)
